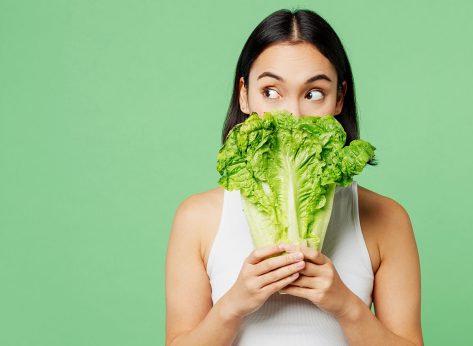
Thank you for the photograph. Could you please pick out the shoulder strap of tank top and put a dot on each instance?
(231, 200)
(359, 233)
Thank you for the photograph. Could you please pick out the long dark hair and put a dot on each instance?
(293, 27)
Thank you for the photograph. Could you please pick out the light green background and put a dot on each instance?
(110, 116)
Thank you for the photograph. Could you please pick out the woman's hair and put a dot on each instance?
(294, 27)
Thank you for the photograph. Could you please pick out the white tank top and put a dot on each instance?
(284, 319)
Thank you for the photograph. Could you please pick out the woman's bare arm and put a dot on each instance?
(397, 281)
(190, 318)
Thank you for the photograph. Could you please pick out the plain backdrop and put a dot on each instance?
(111, 114)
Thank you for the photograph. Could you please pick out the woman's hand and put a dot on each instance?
(263, 273)
(320, 283)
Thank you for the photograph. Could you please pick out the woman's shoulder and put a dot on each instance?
(385, 224)
(381, 210)
(199, 202)
(373, 199)
(197, 218)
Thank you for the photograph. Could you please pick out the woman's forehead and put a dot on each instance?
(292, 62)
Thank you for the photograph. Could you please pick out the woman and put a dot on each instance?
(221, 291)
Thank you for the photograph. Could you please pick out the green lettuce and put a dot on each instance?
(287, 169)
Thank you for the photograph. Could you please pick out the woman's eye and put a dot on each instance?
(270, 93)
(317, 94)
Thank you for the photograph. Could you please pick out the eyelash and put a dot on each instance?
(266, 89)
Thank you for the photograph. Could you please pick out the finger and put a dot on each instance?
(273, 263)
(280, 273)
(312, 269)
(259, 254)
(288, 247)
(278, 285)
(314, 256)
(301, 292)
(308, 282)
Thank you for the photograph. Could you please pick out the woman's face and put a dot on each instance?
(298, 79)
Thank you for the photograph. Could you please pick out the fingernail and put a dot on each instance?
(282, 292)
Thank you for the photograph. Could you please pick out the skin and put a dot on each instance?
(295, 64)
(192, 319)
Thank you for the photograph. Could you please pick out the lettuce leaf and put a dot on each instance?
(287, 169)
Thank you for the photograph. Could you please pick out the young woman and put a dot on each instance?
(222, 291)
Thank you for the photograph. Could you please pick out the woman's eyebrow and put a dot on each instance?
(310, 80)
